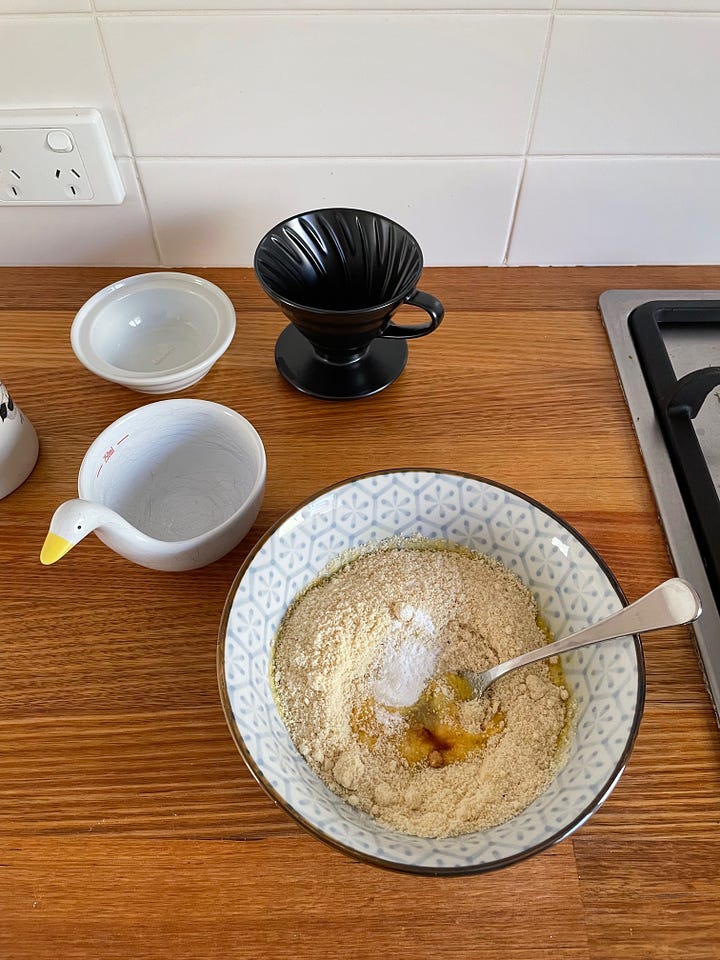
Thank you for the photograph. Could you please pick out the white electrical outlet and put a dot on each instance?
(57, 157)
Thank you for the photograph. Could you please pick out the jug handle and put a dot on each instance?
(426, 302)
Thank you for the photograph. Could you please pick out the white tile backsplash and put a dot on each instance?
(105, 236)
(627, 84)
(294, 85)
(57, 62)
(684, 6)
(199, 5)
(45, 6)
(618, 211)
(242, 112)
(214, 212)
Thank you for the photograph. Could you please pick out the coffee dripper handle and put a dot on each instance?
(426, 302)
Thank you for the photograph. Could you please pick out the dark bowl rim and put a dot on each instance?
(470, 869)
(389, 304)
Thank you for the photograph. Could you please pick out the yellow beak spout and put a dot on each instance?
(54, 548)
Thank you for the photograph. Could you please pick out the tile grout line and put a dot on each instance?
(123, 123)
(513, 213)
(360, 11)
(405, 158)
(373, 11)
(529, 135)
(380, 12)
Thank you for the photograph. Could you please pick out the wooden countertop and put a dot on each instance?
(129, 826)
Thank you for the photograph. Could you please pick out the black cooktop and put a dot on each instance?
(666, 347)
(676, 343)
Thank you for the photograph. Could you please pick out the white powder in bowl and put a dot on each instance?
(408, 657)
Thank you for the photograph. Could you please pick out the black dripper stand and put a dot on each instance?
(339, 275)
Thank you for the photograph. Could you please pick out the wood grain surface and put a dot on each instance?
(129, 826)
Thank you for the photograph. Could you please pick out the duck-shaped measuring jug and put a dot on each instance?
(171, 486)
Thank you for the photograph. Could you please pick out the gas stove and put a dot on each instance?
(666, 345)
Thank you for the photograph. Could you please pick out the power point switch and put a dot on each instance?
(59, 141)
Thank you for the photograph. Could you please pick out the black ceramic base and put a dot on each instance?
(297, 362)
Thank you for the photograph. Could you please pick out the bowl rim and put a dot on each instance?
(321, 311)
(456, 871)
(89, 313)
(217, 409)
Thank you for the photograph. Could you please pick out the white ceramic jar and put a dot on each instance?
(18, 444)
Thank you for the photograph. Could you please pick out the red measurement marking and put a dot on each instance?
(124, 438)
(99, 469)
(108, 453)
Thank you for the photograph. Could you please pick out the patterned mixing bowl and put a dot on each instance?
(572, 586)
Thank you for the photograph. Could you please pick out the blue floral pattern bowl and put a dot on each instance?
(572, 586)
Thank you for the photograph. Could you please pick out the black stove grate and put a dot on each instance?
(677, 402)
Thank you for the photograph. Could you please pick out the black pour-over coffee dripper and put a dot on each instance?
(339, 275)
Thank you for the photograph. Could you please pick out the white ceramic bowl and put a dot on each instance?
(155, 332)
(186, 476)
(572, 586)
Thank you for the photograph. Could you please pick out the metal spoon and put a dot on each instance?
(671, 604)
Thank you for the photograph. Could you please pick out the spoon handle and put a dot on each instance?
(671, 604)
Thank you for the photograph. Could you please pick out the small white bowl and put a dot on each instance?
(173, 485)
(155, 332)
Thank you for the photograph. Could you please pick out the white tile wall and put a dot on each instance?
(44, 6)
(57, 62)
(683, 6)
(634, 210)
(103, 236)
(194, 5)
(215, 211)
(585, 130)
(359, 85)
(631, 85)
